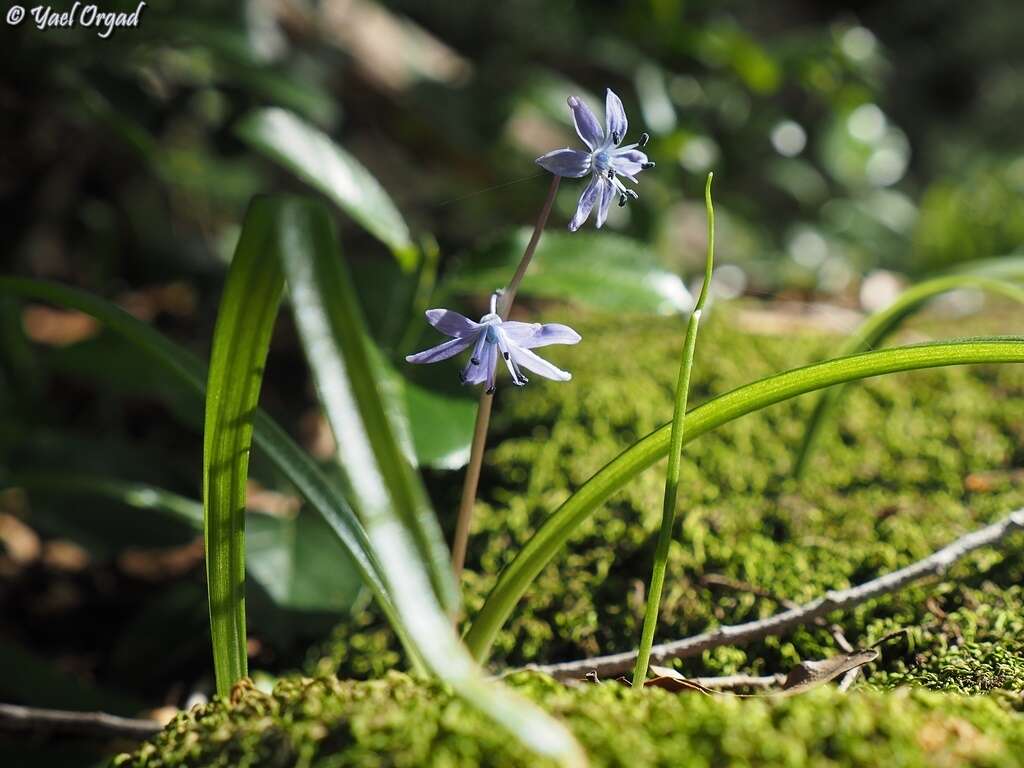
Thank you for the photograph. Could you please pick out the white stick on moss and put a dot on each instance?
(837, 600)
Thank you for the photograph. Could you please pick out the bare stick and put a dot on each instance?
(935, 564)
(483, 411)
(14, 717)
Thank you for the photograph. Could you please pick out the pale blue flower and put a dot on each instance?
(606, 161)
(493, 337)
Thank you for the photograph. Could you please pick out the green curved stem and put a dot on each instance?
(675, 457)
(516, 578)
(878, 327)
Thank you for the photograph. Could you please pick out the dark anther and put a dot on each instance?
(474, 361)
(622, 200)
(462, 377)
(616, 137)
(644, 138)
(647, 165)
(490, 390)
(611, 174)
(505, 355)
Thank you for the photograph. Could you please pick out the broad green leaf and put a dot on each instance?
(311, 483)
(394, 507)
(600, 270)
(241, 341)
(877, 328)
(311, 155)
(516, 578)
(441, 426)
(296, 561)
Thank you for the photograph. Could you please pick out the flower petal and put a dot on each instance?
(452, 323)
(607, 193)
(532, 335)
(441, 352)
(475, 371)
(490, 363)
(586, 123)
(615, 117)
(571, 163)
(628, 163)
(587, 200)
(538, 365)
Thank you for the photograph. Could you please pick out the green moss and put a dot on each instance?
(891, 485)
(913, 461)
(401, 722)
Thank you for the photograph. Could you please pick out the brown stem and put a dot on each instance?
(483, 411)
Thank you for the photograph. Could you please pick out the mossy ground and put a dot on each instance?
(912, 462)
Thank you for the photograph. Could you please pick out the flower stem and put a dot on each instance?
(483, 412)
(675, 453)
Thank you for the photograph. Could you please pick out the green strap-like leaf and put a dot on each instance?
(878, 327)
(241, 341)
(516, 578)
(394, 507)
(311, 155)
(333, 333)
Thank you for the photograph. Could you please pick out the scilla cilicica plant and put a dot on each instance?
(494, 334)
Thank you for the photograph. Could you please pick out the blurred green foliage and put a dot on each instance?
(839, 123)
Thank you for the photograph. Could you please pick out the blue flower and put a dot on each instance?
(492, 337)
(606, 160)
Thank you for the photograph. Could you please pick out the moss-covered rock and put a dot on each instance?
(913, 461)
(397, 721)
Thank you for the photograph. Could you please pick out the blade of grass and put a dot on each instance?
(349, 382)
(675, 455)
(878, 327)
(295, 465)
(241, 341)
(392, 501)
(516, 578)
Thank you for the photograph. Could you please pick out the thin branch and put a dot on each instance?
(14, 717)
(837, 600)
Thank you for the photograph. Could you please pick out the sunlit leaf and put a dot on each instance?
(312, 156)
(597, 269)
(241, 340)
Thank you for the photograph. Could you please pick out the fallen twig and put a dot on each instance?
(935, 564)
(14, 717)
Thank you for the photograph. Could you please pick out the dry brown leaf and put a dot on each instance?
(669, 679)
(810, 674)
